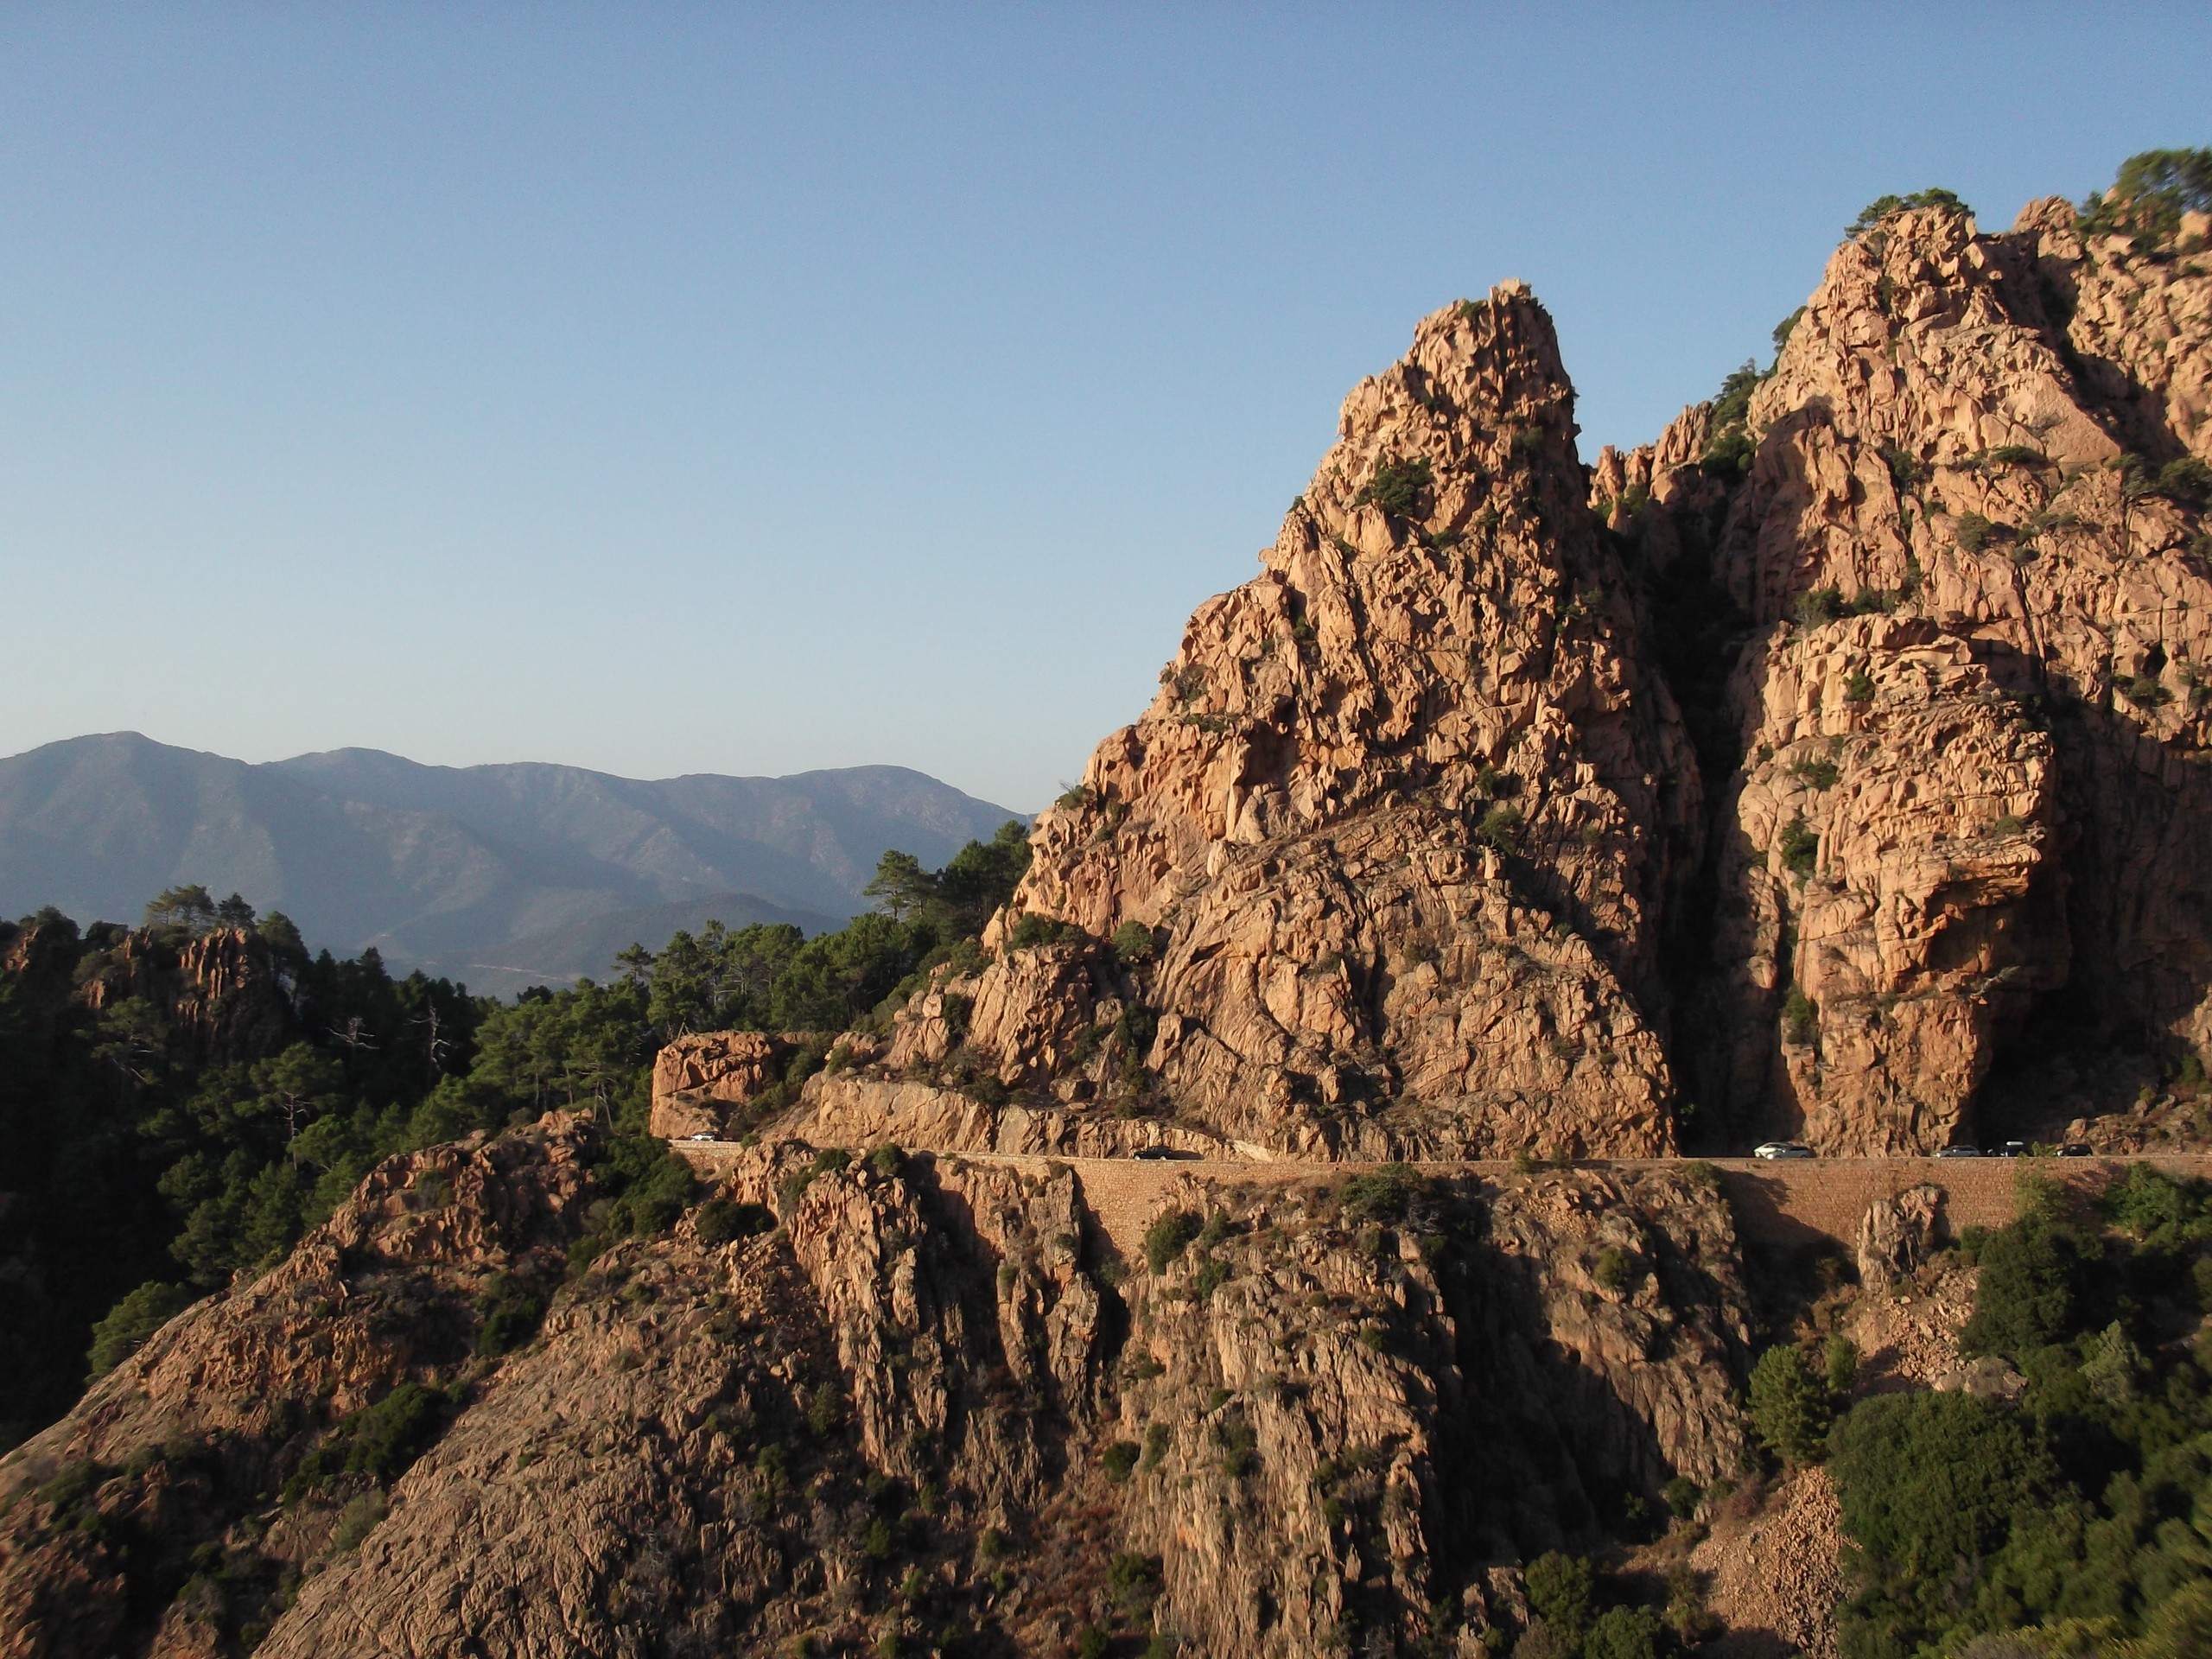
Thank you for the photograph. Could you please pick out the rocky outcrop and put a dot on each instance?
(857, 1110)
(216, 993)
(1385, 862)
(1965, 726)
(699, 1075)
(1377, 1352)
(886, 1395)
(167, 1459)
(1898, 1236)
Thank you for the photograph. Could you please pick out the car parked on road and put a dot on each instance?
(1149, 1153)
(2012, 1149)
(1782, 1149)
(2076, 1150)
(704, 1134)
(1959, 1152)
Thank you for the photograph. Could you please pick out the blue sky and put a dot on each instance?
(672, 389)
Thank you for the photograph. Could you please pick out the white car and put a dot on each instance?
(1782, 1149)
(704, 1134)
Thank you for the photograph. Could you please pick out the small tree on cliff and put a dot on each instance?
(1790, 1405)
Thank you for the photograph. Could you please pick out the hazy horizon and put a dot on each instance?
(735, 391)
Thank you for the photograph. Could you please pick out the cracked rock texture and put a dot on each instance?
(1966, 743)
(891, 1408)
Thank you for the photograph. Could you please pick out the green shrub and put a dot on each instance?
(1858, 686)
(1683, 1496)
(1907, 471)
(1789, 1407)
(379, 1440)
(1500, 828)
(2017, 454)
(1213, 1275)
(825, 1410)
(125, 1328)
(1033, 930)
(886, 1160)
(1625, 1633)
(2032, 1290)
(1841, 1356)
(1801, 1019)
(1239, 1445)
(2146, 1201)
(2188, 481)
(1927, 1481)
(1800, 847)
(1156, 1439)
(1396, 488)
(1133, 1581)
(1819, 606)
(1816, 773)
(1786, 328)
(720, 1221)
(1168, 1237)
(1563, 1592)
(357, 1521)
(1133, 944)
(1618, 1270)
(2152, 192)
(1380, 1196)
(1120, 1460)
(511, 1313)
(1091, 1643)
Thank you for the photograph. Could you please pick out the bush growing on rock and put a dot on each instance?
(1121, 1460)
(1168, 1237)
(1625, 1633)
(379, 1440)
(130, 1321)
(1883, 206)
(512, 1312)
(721, 1221)
(1800, 847)
(1133, 944)
(1790, 1407)
(1563, 1592)
(2033, 1288)
(1396, 488)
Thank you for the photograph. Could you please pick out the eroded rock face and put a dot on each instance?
(902, 1410)
(1402, 823)
(174, 1451)
(697, 1074)
(1897, 1236)
(1966, 732)
(1297, 1349)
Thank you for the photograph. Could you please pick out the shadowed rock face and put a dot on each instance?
(1992, 778)
(893, 1412)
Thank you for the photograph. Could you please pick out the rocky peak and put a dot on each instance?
(1398, 832)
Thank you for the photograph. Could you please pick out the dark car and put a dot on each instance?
(2012, 1149)
(1959, 1152)
(1156, 1152)
(2076, 1150)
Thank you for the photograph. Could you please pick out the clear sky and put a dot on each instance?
(666, 388)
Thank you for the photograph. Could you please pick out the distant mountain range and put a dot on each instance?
(503, 876)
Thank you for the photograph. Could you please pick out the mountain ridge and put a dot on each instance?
(439, 864)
